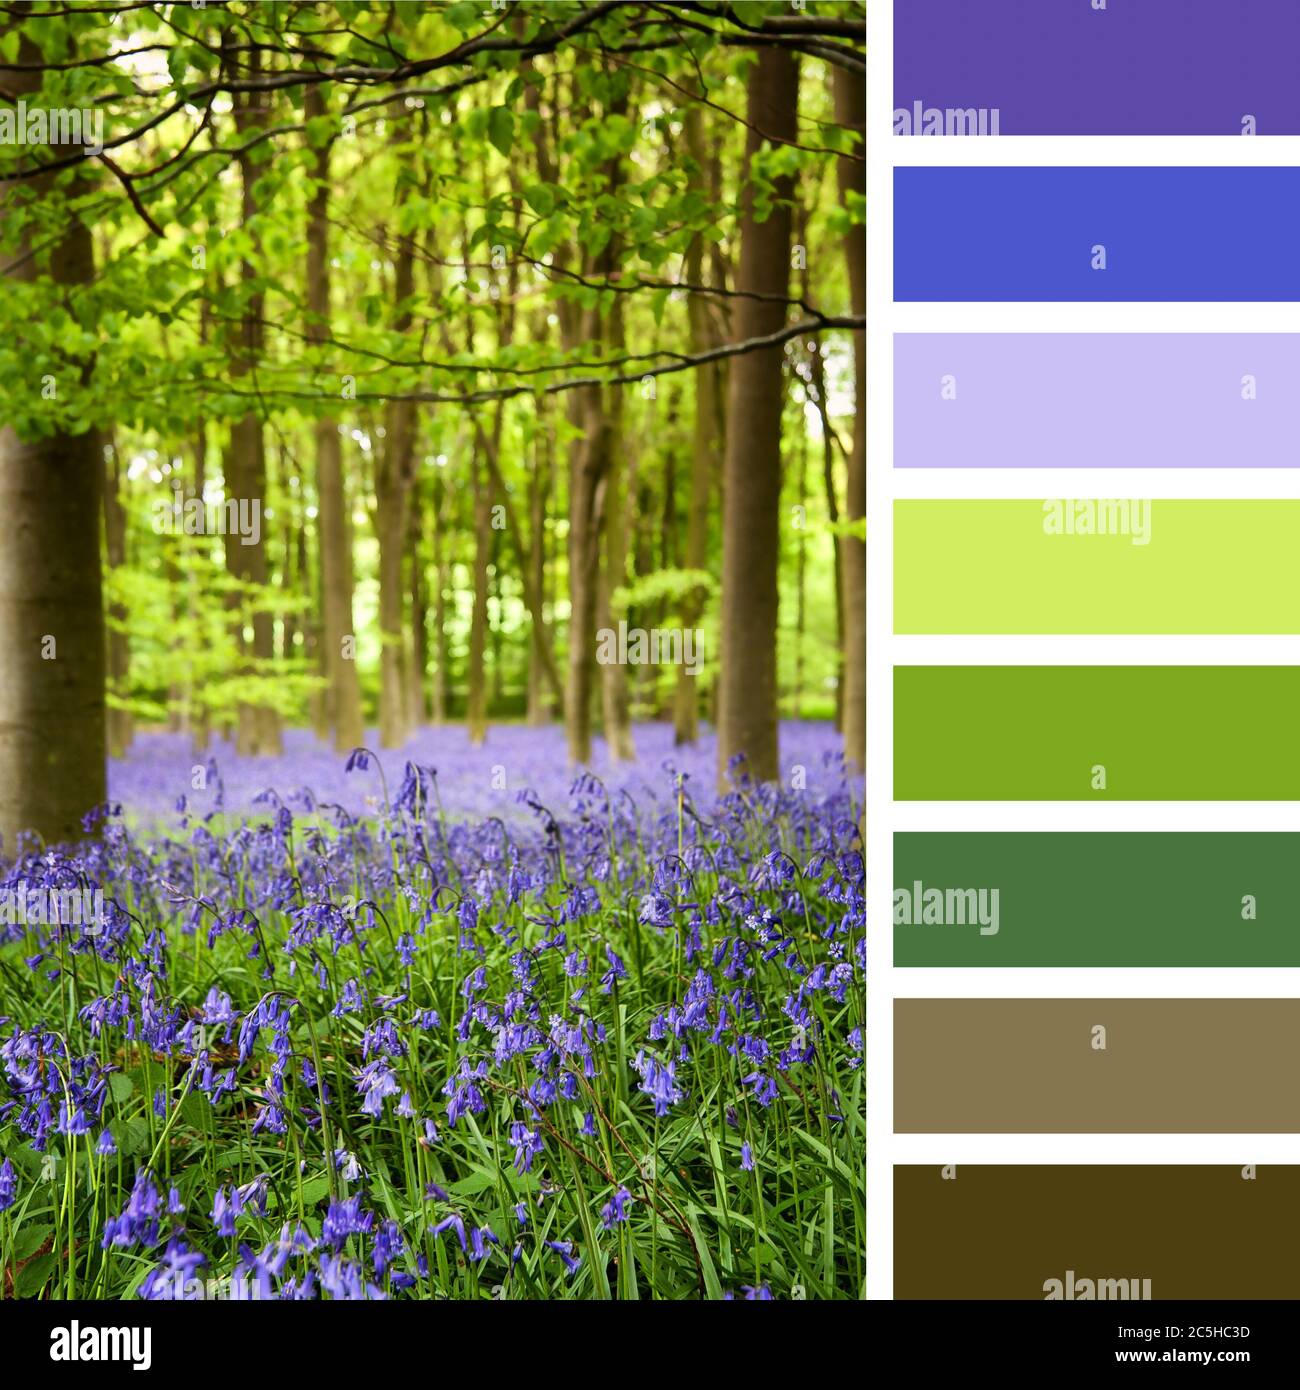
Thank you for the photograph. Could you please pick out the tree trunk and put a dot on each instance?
(705, 449)
(476, 703)
(801, 575)
(818, 387)
(589, 461)
(52, 727)
(394, 470)
(539, 650)
(418, 669)
(197, 715)
(850, 110)
(119, 722)
(752, 468)
(615, 703)
(245, 472)
(342, 698)
(439, 606)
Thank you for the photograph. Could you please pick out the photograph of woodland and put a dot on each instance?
(432, 650)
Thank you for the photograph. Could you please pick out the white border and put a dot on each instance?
(884, 650)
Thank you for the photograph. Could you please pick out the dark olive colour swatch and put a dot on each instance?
(1100, 898)
(1097, 733)
(1096, 1066)
(1008, 1232)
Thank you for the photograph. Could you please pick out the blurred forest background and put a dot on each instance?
(386, 354)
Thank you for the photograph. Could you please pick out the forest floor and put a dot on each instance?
(613, 1050)
(473, 782)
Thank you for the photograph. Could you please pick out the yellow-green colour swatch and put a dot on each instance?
(1097, 565)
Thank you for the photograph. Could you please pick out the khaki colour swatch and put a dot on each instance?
(1096, 1066)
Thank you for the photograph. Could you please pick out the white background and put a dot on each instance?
(884, 651)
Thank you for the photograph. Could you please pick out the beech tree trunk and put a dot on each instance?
(850, 110)
(589, 461)
(541, 659)
(342, 695)
(52, 725)
(118, 721)
(615, 702)
(245, 471)
(418, 668)
(818, 387)
(747, 717)
(706, 440)
(476, 700)
(394, 470)
(196, 713)
(439, 711)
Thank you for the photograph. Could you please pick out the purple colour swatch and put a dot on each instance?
(1138, 67)
(1096, 400)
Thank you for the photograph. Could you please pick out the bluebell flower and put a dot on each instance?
(450, 1223)
(564, 1249)
(225, 1210)
(615, 1209)
(345, 1218)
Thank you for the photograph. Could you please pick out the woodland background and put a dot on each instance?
(517, 321)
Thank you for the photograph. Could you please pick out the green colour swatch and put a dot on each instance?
(1039, 733)
(1106, 899)
(1173, 567)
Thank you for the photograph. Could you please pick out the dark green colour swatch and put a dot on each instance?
(1156, 899)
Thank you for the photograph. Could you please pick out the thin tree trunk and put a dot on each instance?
(534, 568)
(394, 470)
(801, 575)
(196, 709)
(119, 721)
(850, 110)
(705, 450)
(439, 711)
(245, 472)
(615, 703)
(589, 463)
(419, 664)
(476, 702)
(818, 384)
(752, 470)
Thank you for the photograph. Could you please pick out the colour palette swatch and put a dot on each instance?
(1061, 67)
(1089, 733)
(1097, 565)
(1105, 898)
(1074, 1232)
(1096, 234)
(1096, 1066)
(1097, 400)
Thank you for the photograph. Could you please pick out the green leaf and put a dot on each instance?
(463, 16)
(501, 128)
(29, 1240)
(194, 1111)
(541, 198)
(711, 1285)
(121, 1086)
(320, 130)
(32, 1277)
(314, 1190)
